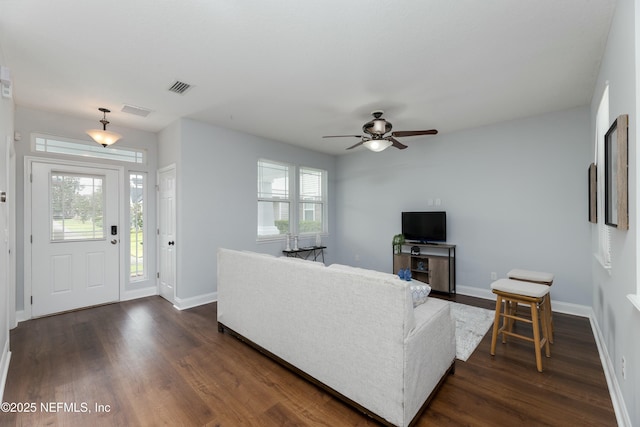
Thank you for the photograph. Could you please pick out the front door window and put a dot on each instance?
(77, 207)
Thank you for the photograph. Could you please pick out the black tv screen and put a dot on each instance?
(425, 226)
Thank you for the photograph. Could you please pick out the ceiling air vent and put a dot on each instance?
(138, 111)
(179, 87)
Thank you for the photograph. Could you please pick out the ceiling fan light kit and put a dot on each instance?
(376, 129)
(103, 136)
(377, 145)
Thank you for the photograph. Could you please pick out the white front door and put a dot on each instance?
(75, 237)
(167, 232)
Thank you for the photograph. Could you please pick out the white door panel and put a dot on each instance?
(167, 233)
(75, 256)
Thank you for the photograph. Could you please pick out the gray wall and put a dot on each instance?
(515, 195)
(615, 316)
(28, 121)
(217, 188)
(169, 145)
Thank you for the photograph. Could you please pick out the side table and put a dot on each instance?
(307, 252)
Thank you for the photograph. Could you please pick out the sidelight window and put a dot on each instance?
(137, 211)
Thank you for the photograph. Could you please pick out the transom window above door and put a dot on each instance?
(77, 148)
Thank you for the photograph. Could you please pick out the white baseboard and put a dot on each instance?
(185, 303)
(21, 316)
(617, 400)
(139, 293)
(4, 367)
(557, 306)
(570, 308)
(475, 292)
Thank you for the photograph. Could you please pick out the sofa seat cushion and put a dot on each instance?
(530, 276)
(518, 287)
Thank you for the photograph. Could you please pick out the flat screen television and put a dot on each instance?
(425, 226)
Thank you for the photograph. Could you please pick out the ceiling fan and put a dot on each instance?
(375, 130)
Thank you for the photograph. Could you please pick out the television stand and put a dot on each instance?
(435, 265)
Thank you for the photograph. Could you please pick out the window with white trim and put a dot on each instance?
(602, 125)
(274, 203)
(291, 200)
(312, 200)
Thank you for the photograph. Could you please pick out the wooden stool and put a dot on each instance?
(541, 278)
(514, 292)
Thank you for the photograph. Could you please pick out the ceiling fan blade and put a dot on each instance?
(357, 145)
(396, 143)
(342, 136)
(402, 133)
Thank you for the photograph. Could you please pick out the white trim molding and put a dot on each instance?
(617, 399)
(21, 316)
(139, 293)
(635, 300)
(186, 303)
(4, 367)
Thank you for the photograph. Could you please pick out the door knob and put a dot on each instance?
(171, 243)
(114, 241)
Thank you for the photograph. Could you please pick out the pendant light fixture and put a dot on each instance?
(103, 136)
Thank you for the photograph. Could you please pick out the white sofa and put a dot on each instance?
(353, 331)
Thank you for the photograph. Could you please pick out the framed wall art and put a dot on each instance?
(616, 174)
(593, 188)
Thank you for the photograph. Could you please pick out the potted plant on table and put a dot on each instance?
(398, 241)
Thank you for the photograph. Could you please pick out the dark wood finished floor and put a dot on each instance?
(144, 363)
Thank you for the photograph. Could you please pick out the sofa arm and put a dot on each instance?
(430, 350)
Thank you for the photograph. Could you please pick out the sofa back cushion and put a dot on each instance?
(379, 278)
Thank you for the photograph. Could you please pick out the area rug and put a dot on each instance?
(472, 323)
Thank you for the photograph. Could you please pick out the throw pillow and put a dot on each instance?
(419, 294)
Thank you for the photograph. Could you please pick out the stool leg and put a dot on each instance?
(514, 312)
(510, 309)
(496, 325)
(546, 328)
(506, 321)
(549, 317)
(536, 334)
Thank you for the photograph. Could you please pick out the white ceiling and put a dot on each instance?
(294, 70)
